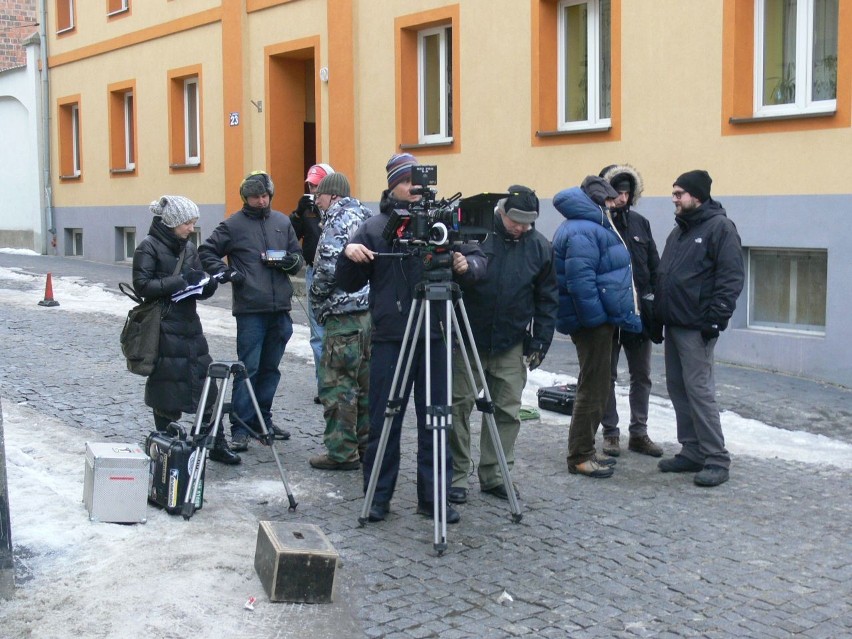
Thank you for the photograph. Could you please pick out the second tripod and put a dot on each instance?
(225, 371)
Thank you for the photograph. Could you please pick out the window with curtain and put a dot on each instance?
(795, 56)
(435, 100)
(584, 82)
(787, 289)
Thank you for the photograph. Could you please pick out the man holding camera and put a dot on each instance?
(393, 281)
(263, 251)
(307, 222)
(345, 363)
(512, 313)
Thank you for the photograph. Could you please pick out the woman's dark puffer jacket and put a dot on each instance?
(178, 377)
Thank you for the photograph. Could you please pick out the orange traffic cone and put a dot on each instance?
(48, 293)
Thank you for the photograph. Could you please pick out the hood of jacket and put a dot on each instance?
(574, 204)
(638, 184)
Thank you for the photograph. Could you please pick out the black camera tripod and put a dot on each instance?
(224, 371)
(437, 287)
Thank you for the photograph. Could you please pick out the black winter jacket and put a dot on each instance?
(701, 271)
(393, 279)
(243, 238)
(306, 221)
(175, 384)
(635, 230)
(519, 286)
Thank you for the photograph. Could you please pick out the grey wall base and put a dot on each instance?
(7, 561)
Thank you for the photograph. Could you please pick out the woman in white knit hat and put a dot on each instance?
(166, 262)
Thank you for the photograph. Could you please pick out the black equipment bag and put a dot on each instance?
(559, 399)
(172, 459)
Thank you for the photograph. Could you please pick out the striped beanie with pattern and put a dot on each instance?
(399, 168)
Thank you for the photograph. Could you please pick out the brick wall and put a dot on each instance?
(18, 21)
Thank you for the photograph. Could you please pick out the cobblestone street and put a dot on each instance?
(644, 554)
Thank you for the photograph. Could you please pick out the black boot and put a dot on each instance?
(222, 453)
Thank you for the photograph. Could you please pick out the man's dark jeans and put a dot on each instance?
(261, 339)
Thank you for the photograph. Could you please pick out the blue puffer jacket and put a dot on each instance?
(592, 268)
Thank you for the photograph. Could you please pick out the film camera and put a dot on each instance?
(454, 220)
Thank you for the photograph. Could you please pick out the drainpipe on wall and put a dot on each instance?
(45, 121)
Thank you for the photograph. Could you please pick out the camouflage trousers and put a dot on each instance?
(344, 384)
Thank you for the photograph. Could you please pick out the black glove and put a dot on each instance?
(291, 263)
(534, 351)
(193, 276)
(233, 276)
(534, 360)
(709, 331)
(656, 332)
(210, 287)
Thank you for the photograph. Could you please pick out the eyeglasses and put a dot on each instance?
(678, 194)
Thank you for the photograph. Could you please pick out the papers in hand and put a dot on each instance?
(190, 290)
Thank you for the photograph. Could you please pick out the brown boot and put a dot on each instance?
(611, 446)
(644, 446)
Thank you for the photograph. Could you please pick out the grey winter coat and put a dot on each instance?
(243, 238)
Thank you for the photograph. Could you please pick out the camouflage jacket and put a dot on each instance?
(341, 222)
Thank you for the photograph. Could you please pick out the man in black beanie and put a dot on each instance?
(700, 277)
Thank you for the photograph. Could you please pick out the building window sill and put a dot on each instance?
(775, 118)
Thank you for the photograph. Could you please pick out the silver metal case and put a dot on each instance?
(115, 486)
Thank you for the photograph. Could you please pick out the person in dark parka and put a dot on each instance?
(174, 387)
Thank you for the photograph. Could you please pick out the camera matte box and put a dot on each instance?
(115, 485)
(295, 562)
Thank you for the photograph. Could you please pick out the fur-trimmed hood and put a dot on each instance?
(614, 170)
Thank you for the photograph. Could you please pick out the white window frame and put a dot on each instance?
(191, 133)
(593, 121)
(445, 96)
(76, 239)
(128, 233)
(129, 142)
(790, 327)
(803, 104)
(125, 6)
(75, 139)
(71, 23)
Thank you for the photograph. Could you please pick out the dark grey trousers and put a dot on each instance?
(692, 390)
(639, 368)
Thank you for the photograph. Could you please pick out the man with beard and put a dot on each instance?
(262, 294)
(392, 283)
(699, 280)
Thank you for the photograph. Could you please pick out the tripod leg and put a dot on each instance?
(240, 367)
(394, 402)
(440, 419)
(487, 408)
(201, 445)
